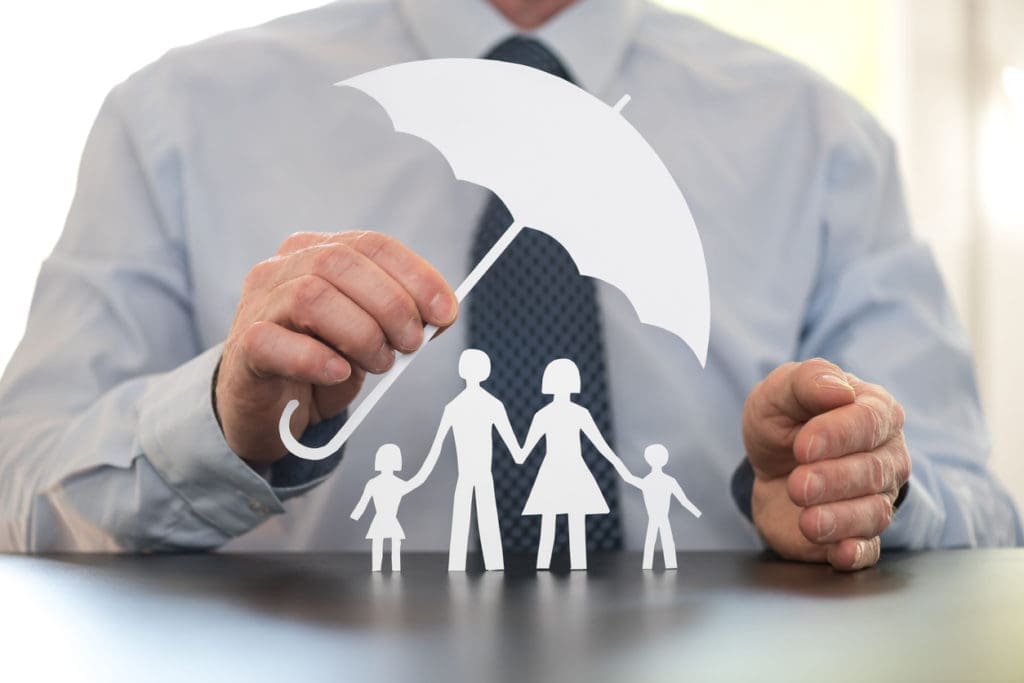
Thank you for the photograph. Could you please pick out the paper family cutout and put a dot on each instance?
(520, 132)
(564, 483)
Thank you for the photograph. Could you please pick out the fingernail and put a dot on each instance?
(385, 356)
(817, 447)
(826, 523)
(814, 488)
(442, 308)
(412, 335)
(337, 371)
(830, 381)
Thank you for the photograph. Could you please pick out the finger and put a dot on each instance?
(883, 470)
(808, 389)
(268, 273)
(777, 520)
(873, 419)
(852, 554)
(330, 401)
(273, 351)
(779, 405)
(311, 305)
(434, 299)
(367, 284)
(862, 517)
(303, 240)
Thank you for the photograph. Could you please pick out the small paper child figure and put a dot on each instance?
(658, 489)
(386, 491)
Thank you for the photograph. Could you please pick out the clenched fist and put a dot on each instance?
(311, 322)
(829, 460)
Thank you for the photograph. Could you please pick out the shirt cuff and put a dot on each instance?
(292, 475)
(742, 488)
(180, 437)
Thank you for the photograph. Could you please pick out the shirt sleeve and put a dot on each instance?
(880, 311)
(108, 439)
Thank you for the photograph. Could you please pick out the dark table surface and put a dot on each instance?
(722, 616)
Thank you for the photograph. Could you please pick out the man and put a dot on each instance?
(140, 411)
(472, 417)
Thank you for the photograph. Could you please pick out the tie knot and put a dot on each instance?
(529, 52)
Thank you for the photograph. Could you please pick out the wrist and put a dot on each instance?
(260, 465)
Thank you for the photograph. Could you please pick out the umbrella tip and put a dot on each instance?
(623, 101)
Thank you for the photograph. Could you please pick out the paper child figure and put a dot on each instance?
(471, 417)
(386, 491)
(658, 489)
(564, 484)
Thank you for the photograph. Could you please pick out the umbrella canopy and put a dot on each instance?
(566, 163)
(563, 162)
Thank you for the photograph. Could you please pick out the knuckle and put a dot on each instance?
(367, 339)
(877, 472)
(839, 479)
(902, 465)
(331, 260)
(883, 514)
(398, 307)
(873, 419)
(253, 339)
(296, 241)
(780, 378)
(788, 366)
(886, 404)
(291, 243)
(899, 416)
(372, 244)
(259, 275)
(306, 293)
(307, 361)
(353, 236)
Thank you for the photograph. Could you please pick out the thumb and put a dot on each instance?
(781, 403)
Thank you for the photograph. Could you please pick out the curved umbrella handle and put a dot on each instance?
(299, 449)
(362, 410)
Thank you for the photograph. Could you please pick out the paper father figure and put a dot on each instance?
(472, 417)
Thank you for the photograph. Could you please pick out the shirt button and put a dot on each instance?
(257, 506)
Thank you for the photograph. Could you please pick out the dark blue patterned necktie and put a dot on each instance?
(529, 309)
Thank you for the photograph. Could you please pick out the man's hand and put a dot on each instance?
(829, 459)
(311, 322)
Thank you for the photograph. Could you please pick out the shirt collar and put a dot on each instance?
(589, 36)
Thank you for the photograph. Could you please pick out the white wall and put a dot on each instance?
(999, 159)
(961, 142)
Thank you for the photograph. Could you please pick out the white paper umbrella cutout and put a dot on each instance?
(563, 162)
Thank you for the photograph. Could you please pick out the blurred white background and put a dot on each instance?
(945, 76)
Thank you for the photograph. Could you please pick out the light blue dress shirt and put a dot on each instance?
(200, 164)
